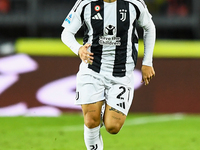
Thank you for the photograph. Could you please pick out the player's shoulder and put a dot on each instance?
(82, 3)
(87, 1)
(138, 3)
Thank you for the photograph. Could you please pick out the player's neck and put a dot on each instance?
(109, 1)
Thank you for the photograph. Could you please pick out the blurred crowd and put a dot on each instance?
(48, 24)
(157, 7)
(169, 7)
(4, 6)
(179, 7)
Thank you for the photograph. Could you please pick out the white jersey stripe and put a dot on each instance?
(107, 61)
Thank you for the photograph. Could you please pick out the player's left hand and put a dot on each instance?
(85, 55)
(147, 74)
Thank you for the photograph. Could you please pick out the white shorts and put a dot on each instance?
(116, 91)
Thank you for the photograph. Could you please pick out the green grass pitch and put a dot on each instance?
(140, 132)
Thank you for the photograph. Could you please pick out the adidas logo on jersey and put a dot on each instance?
(122, 105)
(97, 17)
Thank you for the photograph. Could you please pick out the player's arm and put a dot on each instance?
(72, 24)
(149, 37)
(149, 41)
(68, 38)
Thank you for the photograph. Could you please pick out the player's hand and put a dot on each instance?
(147, 74)
(85, 55)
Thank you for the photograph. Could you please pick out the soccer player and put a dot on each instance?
(108, 55)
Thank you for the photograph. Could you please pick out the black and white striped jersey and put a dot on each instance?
(110, 28)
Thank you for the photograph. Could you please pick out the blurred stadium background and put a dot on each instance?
(37, 71)
(38, 75)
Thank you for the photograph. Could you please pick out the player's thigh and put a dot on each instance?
(113, 119)
(92, 113)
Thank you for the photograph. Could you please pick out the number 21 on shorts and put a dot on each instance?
(124, 93)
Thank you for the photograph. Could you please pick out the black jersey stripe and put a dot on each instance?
(86, 36)
(86, 30)
(134, 41)
(137, 11)
(82, 13)
(76, 5)
(123, 25)
(97, 26)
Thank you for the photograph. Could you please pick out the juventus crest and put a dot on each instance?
(123, 14)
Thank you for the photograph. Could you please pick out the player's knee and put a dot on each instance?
(113, 128)
(92, 122)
